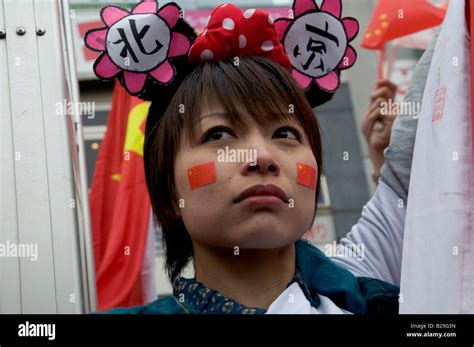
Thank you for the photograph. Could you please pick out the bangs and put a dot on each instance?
(267, 98)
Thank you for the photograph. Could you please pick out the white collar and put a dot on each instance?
(293, 301)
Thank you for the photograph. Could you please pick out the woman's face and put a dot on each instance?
(276, 212)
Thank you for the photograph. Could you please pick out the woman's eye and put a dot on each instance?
(218, 133)
(287, 132)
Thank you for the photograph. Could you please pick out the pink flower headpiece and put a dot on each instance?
(139, 47)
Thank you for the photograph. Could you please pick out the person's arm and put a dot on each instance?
(377, 237)
(376, 124)
(381, 226)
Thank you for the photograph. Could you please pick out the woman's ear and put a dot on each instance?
(177, 205)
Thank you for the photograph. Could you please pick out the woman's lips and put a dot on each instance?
(262, 200)
(263, 194)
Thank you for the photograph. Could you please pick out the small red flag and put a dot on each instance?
(201, 175)
(306, 175)
(393, 19)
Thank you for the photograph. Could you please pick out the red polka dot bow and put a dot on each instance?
(232, 33)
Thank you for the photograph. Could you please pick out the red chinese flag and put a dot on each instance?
(306, 175)
(201, 175)
(392, 19)
(120, 206)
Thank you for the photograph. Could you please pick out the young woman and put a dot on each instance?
(240, 222)
(241, 229)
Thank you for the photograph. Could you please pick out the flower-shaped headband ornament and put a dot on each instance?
(137, 45)
(317, 42)
(140, 46)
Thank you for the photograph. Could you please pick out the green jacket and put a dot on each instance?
(359, 295)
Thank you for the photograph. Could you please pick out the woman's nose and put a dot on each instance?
(264, 163)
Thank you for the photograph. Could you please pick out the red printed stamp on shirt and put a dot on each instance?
(439, 104)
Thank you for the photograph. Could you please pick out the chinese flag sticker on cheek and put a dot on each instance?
(201, 175)
(306, 175)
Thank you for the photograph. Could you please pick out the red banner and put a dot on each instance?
(120, 206)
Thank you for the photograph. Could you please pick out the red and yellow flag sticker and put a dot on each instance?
(306, 175)
(201, 175)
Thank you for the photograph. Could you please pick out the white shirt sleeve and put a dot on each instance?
(378, 236)
(380, 229)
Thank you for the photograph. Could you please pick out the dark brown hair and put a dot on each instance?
(264, 89)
